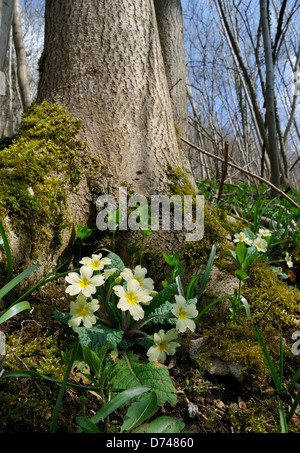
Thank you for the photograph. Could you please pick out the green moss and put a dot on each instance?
(258, 416)
(272, 301)
(216, 230)
(239, 345)
(179, 183)
(38, 167)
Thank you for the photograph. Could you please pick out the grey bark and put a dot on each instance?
(170, 27)
(6, 13)
(25, 91)
(103, 62)
(270, 98)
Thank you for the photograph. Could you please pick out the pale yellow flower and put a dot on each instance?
(164, 344)
(185, 314)
(83, 311)
(131, 297)
(84, 282)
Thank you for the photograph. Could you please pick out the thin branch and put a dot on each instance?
(246, 172)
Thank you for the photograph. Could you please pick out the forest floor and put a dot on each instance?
(205, 403)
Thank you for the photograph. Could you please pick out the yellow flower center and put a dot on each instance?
(95, 264)
(162, 345)
(139, 280)
(182, 313)
(131, 298)
(82, 310)
(84, 282)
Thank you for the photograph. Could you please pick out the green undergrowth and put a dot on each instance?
(38, 167)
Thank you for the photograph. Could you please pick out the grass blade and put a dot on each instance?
(15, 281)
(270, 363)
(14, 310)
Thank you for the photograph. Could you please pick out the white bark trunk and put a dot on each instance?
(23, 81)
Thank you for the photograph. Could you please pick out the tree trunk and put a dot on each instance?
(270, 99)
(103, 62)
(25, 90)
(170, 27)
(6, 12)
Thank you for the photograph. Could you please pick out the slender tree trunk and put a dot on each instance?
(6, 13)
(25, 90)
(270, 98)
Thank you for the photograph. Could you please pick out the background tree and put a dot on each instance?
(227, 73)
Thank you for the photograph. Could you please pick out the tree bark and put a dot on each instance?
(103, 62)
(23, 81)
(270, 98)
(6, 13)
(170, 28)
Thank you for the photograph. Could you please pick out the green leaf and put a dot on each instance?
(15, 281)
(250, 256)
(164, 424)
(165, 308)
(246, 306)
(250, 235)
(207, 271)
(87, 426)
(95, 359)
(133, 372)
(97, 336)
(117, 402)
(283, 422)
(139, 411)
(269, 362)
(241, 275)
(14, 310)
(63, 317)
(115, 262)
(241, 251)
(274, 237)
(160, 298)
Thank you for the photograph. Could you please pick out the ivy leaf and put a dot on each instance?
(131, 372)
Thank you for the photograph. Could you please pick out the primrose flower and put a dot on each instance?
(261, 244)
(239, 237)
(84, 282)
(83, 311)
(164, 345)
(109, 272)
(247, 241)
(264, 232)
(131, 297)
(184, 312)
(288, 260)
(96, 262)
(139, 275)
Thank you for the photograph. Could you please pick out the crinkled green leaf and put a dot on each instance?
(97, 336)
(160, 298)
(115, 261)
(132, 372)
